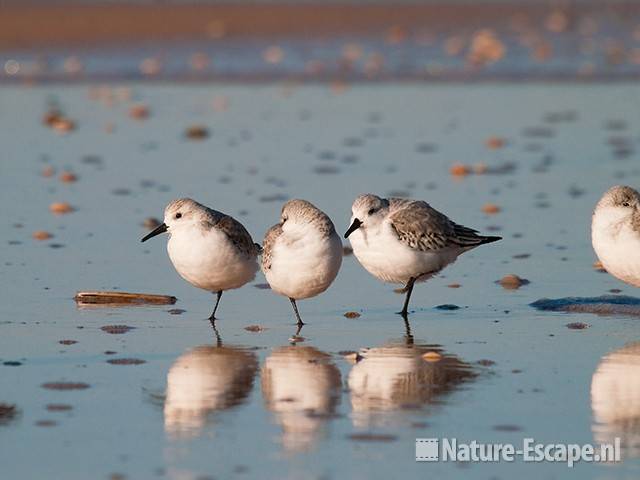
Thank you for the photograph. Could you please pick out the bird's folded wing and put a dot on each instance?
(423, 228)
(267, 245)
(236, 232)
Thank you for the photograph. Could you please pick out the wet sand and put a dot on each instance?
(157, 394)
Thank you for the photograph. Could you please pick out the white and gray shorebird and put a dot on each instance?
(209, 249)
(302, 254)
(406, 241)
(615, 233)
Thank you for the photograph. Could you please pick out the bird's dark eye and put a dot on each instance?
(625, 204)
(178, 215)
(371, 211)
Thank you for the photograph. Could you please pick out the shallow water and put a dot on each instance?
(249, 405)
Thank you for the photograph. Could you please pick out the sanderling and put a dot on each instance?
(302, 254)
(209, 249)
(615, 233)
(404, 241)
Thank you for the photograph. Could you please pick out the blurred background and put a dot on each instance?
(351, 39)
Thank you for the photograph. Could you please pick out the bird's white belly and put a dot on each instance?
(304, 268)
(386, 258)
(619, 252)
(210, 261)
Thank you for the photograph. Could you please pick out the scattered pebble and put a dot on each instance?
(116, 329)
(176, 311)
(254, 328)
(507, 428)
(490, 208)
(495, 142)
(262, 286)
(326, 169)
(346, 251)
(46, 423)
(41, 235)
(372, 437)
(486, 362)
(431, 357)
(454, 285)
(7, 412)
(447, 306)
(197, 132)
(139, 111)
(126, 361)
(65, 385)
(67, 342)
(512, 281)
(58, 407)
(577, 326)
(60, 208)
(48, 171)
(459, 170)
(352, 314)
(68, 177)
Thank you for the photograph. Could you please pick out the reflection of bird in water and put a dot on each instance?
(204, 380)
(302, 387)
(615, 398)
(402, 376)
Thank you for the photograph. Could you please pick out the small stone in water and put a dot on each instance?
(41, 235)
(577, 326)
(352, 314)
(197, 132)
(448, 306)
(58, 407)
(431, 357)
(126, 361)
(60, 208)
(512, 282)
(139, 112)
(490, 208)
(68, 177)
(116, 329)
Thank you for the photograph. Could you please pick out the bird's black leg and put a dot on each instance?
(295, 309)
(408, 288)
(212, 318)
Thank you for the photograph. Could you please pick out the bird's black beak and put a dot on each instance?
(354, 226)
(156, 231)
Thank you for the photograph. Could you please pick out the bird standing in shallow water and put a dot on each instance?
(209, 249)
(615, 233)
(302, 254)
(406, 241)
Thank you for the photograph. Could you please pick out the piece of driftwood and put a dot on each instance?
(122, 298)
